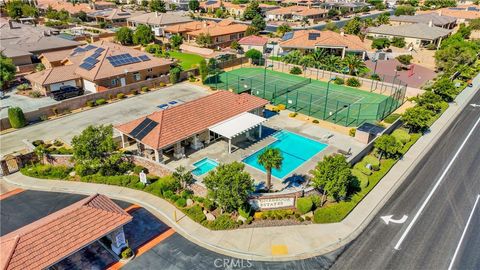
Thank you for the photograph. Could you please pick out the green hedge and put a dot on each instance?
(304, 205)
(16, 117)
(222, 222)
(361, 177)
(361, 166)
(413, 139)
(370, 159)
(195, 213)
(401, 136)
(391, 118)
(46, 171)
(117, 180)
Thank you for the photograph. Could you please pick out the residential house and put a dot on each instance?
(25, 43)
(114, 16)
(99, 66)
(461, 13)
(297, 13)
(335, 43)
(253, 42)
(416, 35)
(72, 8)
(158, 21)
(350, 7)
(54, 59)
(221, 33)
(307, 3)
(235, 10)
(436, 19)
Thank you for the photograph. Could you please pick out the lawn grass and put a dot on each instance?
(187, 60)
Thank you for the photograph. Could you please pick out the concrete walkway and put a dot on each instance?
(300, 241)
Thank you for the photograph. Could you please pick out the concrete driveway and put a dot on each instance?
(116, 113)
(27, 104)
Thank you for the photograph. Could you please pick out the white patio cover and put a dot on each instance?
(237, 125)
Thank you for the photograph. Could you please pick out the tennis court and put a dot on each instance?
(340, 104)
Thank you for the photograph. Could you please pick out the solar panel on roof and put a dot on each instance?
(144, 57)
(287, 36)
(135, 60)
(99, 50)
(87, 66)
(90, 60)
(146, 130)
(89, 47)
(95, 55)
(313, 36)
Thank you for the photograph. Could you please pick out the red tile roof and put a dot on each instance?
(54, 237)
(301, 39)
(253, 40)
(185, 120)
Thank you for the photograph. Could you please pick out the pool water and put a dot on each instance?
(203, 166)
(296, 150)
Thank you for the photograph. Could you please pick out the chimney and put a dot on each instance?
(430, 23)
(342, 33)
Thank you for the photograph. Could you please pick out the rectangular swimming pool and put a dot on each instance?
(203, 166)
(296, 150)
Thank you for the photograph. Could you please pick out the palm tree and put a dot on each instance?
(332, 63)
(354, 64)
(383, 19)
(307, 61)
(293, 57)
(319, 55)
(269, 159)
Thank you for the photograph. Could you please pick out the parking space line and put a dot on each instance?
(463, 233)
(11, 193)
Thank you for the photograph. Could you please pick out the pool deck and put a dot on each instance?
(218, 150)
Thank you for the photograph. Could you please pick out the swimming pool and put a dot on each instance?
(296, 150)
(203, 166)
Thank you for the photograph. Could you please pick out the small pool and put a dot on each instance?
(296, 150)
(203, 166)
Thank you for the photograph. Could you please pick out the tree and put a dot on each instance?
(282, 29)
(307, 61)
(474, 24)
(404, 10)
(81, 15)
(212, 66)
(332, 63)
(30, 11)
(203, 69)
(331, 26)
(143, 35)
(455, 52)
(16, 117)
(292, 57)
(445, 88)
(176, 40)
(333, 176)
(353, 27)
(399, 42)
(417, 118)
(235, 45)
(175, 74)
(7, 70)
(154, 49)
(254, 54)
(387, 146)
(251, 30)
(39, 67)
(354, 64)
(229, 185)
(270, 159)
(158, 5)
(193, 5)
(332, 13)
(404, 59)
(204, 40)
(380, 43)
(14, 9)
(183, 176)
(124, 35)
(258, 22)
(252, 10)
(383, 18)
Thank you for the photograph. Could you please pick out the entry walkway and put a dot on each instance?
(296, 242)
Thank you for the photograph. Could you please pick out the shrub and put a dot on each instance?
(361, 177)
(391, 118)
(46, 171)
(223, 222)
(339, 81)
(405, 59)
(127, 253)
(110, 96)
(413, 139)
(181, 202)
(100, 101)
(304, 205)
(162, 185)
(90, 103)
(296, 71)
(361, 166)
(23, 86)
(300, 219)
(209, 204)
(431, 46)
(186, 194)
(292, 114)
(244, 211)
(115, 180)
(307, 218)
(38, 142)
(398, 42)
(316, 200)
(162, 84)
(16, 117)
(144, 89)
(168, 194)
(57, 143)
(353, 82)
(35, 94)
(375, 77)
(134, 92)
(371, 160)
(120, 95)
(352, 132)
(281, 107)
(315, 121)
(401, 136)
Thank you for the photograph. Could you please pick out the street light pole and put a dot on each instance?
(265, 76)
(326, 96)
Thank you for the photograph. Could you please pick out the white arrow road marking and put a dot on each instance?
(389, 218)
(437, 184)
(474, 105)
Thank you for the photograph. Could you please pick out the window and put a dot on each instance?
(150, 70)
(114, 82)
(136, 76)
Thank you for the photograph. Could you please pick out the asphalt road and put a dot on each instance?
(116, 113)
(431, 241)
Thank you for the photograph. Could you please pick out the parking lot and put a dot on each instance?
(116, 113)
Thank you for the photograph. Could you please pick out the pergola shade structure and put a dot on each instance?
(237, 125)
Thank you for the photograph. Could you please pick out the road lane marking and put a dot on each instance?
(389, 218)
(463, 233)
(437, 184)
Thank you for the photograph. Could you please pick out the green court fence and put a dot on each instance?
(330, 105)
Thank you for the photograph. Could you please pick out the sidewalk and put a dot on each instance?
(300, 241)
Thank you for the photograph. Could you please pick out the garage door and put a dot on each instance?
(89, 86)
(56, 86)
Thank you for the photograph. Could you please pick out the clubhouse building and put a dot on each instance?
(171, 132)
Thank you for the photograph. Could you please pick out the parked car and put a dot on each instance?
(335, 19)
(65, 92)
(470, 83)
